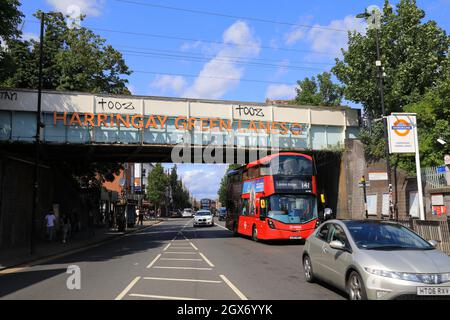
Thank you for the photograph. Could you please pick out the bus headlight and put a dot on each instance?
(271, 224)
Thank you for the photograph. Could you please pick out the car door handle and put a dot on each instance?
(325, 250)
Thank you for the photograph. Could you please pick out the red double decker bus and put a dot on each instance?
(274, 197)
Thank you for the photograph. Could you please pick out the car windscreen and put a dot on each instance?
(385, 236)
(203, 213)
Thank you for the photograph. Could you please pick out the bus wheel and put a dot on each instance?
(255, 234)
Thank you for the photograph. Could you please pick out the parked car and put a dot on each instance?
(203, 218)
(376, 260)
(175, 214)
(222, 213)
(187, 213)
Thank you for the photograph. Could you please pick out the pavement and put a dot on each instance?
(172, 260)
(17, 256)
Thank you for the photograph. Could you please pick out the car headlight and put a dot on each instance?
(428, 278)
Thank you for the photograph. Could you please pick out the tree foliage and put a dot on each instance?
(180, 195)
(414, 57)
(412, 54)
(222, 193)
(320, 92)
(10, 18)
(75, 59)
(157, 183)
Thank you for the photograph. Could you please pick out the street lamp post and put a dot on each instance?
(39, 125)
(375, 23)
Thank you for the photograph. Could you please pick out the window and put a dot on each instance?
(338, 234)
(322, 234)
(292, 208)
(245, 207)
(414, 204)
(291, 165)
(385, 206)
(372, 204)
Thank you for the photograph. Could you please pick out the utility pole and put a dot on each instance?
(37, 140)
(374, 21)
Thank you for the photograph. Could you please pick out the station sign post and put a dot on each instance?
(403, 138)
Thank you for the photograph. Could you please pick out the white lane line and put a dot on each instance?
(180, 252)
(181, 268)
(153, 261)
(233, 287)
(218, 225)
(161, 297)
(181, 259)
(181, 248)
(206, 259)
(128, 288)
(166, 247)
(186, 280)
(193, 246)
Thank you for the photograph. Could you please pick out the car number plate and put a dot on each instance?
(433, 291)
(295, 237)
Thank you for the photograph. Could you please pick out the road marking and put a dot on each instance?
(181, 268)
(206, 259)
(193, 245)
(128, 288)
(218, 225)
(186, 280)
(233, 287)
(181, 259)
(166, 247)
(182, 248)
(153, 261)
(176, 252)
(161, 297)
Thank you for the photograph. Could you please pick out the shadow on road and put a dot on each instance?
(13, 282)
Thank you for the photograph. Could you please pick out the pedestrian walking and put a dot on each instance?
(50, 221)
(141, 217)
(65, 225)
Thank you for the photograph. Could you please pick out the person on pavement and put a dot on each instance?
(50, 220)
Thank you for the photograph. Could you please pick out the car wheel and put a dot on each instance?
(255, 234)
(308, 270)
(355, 287)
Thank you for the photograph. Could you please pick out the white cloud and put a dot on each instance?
(280, 91)
(168, 83)
(76, 7)
(186, 46)
(282, 69)
(30, 36)
(323, 38)
(241, 44)
(330, 41)
(191, 174)
(294, 35)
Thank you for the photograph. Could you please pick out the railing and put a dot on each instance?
(433, 179)
(438, 231)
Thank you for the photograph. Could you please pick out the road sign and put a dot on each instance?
(401, 133)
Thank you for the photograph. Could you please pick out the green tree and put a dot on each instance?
(413, 55)
(75, 59)
(10, 18)
(320, 92)
(222, 193)
(157, 183)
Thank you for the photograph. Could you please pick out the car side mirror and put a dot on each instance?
(338, 245)
(433, 243)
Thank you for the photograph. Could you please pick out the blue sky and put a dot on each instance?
(274, 54)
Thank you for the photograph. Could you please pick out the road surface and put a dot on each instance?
(173, 260)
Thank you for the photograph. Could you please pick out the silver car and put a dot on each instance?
(203, 218)
(376, 260)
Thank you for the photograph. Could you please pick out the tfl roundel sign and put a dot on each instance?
(401, 129)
